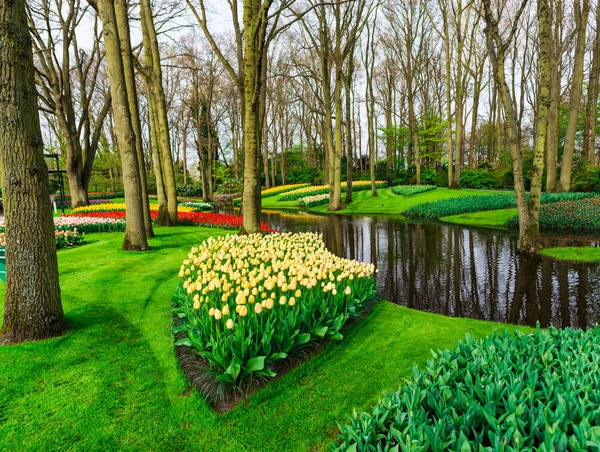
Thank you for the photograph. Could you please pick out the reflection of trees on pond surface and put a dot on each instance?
(461, 272)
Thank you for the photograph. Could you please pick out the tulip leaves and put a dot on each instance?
(538, 391)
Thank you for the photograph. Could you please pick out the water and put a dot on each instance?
(461, 272)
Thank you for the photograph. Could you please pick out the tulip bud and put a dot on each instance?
(258, 308)
(348, 290)
(218, 314)
(292, 301)
(226, 309)
(229, 324)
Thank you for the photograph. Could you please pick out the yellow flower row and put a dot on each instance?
(120, 207)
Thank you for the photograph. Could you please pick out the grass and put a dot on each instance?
(113, 383)
(495, 219)
(386, 203)
(576, 254)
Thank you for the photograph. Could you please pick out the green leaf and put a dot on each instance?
(185, 342)
(255, 364)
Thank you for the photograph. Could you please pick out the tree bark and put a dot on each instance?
(32, 306)
(135, 232)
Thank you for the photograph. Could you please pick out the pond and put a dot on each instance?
(461, 272)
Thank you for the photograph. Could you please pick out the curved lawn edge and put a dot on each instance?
(586, 254)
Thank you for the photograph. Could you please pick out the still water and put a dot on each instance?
(461, 272)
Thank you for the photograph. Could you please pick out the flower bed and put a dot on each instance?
(197, 206)
(275, 191)
(64, 238)
(87, 225)
(120, 207)
(578, 215)
(538, 391)
(455, 206)
(99, 195)
(360, 185)
(247, 302)
(410, 190)
(315, 200)
(67, 202)
(207, 219)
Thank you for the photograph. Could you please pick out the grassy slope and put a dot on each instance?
(386, 203)
(579, 254)
(495, 219)
(112, 382)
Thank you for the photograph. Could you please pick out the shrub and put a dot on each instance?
(189, 190)
(478, 179)
(410, 190)
(230, 186)
(318, 190)
(455, 206)
(538, 391)
(580, 215)
(247, 302)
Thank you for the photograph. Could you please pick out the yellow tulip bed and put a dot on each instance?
(274, 191)
(120, 207)
(360, 185)
(247, 302)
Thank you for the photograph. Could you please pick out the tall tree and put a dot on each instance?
(135, 232)
(498, 46)
(67, 77)
(582, 9)
(591, 109)
(32, 305)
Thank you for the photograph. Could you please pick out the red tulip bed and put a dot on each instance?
(206, 219)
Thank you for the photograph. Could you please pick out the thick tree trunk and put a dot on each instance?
(135, 232)
(126, 54)
(32, 305)
(552, 136)
(581, 18)
(253, 68)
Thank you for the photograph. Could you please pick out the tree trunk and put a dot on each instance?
(135, 232)
(349, 150)
(126, 53)
(253, 68)
(32, 305)
(591, 111)
(581, 18)
(162, 219)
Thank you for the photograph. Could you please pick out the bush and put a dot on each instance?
(189, 191)
(230, 186)
(455, 206)
(410, 190)
(318, 190)
(247, 302)
(538, 391)
(580, 215)
(479, 179)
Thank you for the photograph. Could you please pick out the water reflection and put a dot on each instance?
(461, 272)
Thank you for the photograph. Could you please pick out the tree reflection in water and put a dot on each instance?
(461, 272)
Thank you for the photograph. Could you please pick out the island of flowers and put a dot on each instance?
(247, 302)
(120, 207)
(360, 185)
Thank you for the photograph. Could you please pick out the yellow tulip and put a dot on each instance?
(229, 324)
(226, 309)
(218, 314)
(258, 308)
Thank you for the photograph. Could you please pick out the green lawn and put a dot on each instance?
(495, 219)
(386, 203)
(578, 254)
(113, 383)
